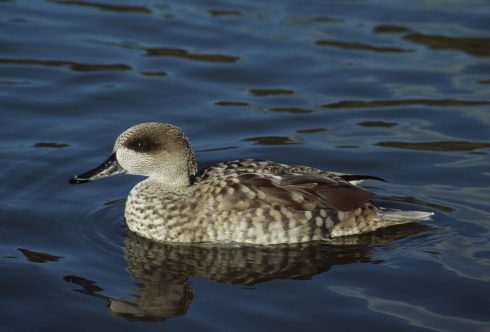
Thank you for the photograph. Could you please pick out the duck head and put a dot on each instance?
(156, 150)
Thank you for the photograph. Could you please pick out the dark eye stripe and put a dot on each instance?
(142, 144)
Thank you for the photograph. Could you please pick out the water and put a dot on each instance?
(398, 90)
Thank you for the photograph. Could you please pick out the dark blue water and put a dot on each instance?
(399, 90)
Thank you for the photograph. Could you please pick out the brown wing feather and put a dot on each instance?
(336, 194)
(296, 191)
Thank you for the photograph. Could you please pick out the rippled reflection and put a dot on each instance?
(88, 286)
(289, 110)
(360, 46)
(38, 257)
(105, 6)
(216, 12)
(271, 92)
(473, 46)
(380, 124)
(181, 53)
(154, 73)
(231, 103)
(385, 28)
(404, 102)
(311, 130)
(436, 146)
(83, 67)
(308, 20)
(161, 271)
(51, 145)
(417, 316)
(272, 140)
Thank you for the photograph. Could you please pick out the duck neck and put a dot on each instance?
(171, 182)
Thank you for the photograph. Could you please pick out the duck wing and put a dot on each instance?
(295, 191)
(332, 193)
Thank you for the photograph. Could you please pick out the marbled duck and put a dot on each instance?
(245, 201)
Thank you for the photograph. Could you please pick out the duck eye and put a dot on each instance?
(145, 144)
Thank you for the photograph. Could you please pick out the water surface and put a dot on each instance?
(398, 90)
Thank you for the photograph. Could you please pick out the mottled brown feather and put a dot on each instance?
(298, 191)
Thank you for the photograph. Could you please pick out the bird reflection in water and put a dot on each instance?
(161, 271)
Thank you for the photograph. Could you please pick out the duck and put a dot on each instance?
(248, 201)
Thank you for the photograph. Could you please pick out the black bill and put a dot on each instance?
(108, 168)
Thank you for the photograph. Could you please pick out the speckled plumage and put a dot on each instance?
(245, 201)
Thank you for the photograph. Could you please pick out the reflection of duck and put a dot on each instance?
(248, 201)
(162, 270)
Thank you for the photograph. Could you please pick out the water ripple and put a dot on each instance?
(473, 46)
(122, 8)
(51, 145)
(272, 140)
(385, 28)
(405, 102)
(181, 53)
(104, 227)
(289, 110)
(378, 124)
(271, 92)
(38, 257)
(436, 146)
(360, 46)
(222, 12)
(231, 103)
(82, 67)
(415, 315)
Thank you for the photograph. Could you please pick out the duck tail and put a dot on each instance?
(394, 217)
(380, 218)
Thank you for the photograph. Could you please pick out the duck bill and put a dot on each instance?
(108, 168)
